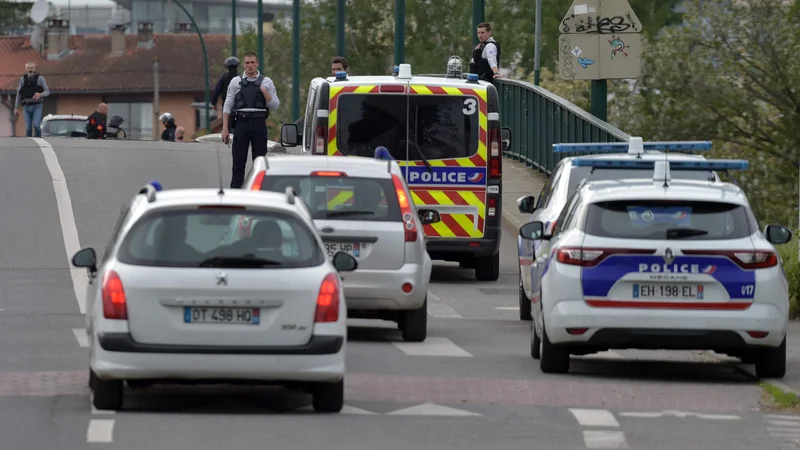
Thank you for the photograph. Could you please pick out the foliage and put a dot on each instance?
(14, 16)
(791, 265)
(730, 74)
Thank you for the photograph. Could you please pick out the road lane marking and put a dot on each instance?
(66, 216)
(80, 335)
(346, 410)
(432, 409)
(508, 308)
(608, 354)
(439, 309)
(679, 414)
(100, 430)
(604, 439)
(594, 417)
(433, 346)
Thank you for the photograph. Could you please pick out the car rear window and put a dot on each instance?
(63, 127)
(577, 174)
(684, 220)
(341, 197)
(212, 238)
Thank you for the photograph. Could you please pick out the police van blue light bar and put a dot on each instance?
(623, 147)
(383, 153)
(341, 75)
(472, 77)
(711, 164)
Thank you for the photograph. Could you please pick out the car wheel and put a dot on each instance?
(771, 363)
(488, 268)
(92, 379)
(108, 394)
(524, 302)
(553, 358)
(414, 324)
(328, 397)
(536, 343)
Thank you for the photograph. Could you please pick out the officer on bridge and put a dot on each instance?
(486, 56)
(250, 98)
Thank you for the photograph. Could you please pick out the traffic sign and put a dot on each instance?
(600, 40)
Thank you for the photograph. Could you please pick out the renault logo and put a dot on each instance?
(669, 256)
(222, 278)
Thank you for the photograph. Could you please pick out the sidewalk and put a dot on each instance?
(518, 180)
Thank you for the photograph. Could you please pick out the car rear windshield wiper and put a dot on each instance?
(677, 233)
(348, 212)
(237, 262)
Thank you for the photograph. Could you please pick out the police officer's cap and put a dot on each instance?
(232, 62)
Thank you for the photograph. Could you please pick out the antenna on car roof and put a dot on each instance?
(219, 169)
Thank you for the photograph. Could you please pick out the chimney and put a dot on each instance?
(57, 39)
(183, 27)
(118, 46)
(145, 35)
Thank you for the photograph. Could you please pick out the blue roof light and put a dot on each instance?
(341, 75)
(711, 164)
(156, 185)
(396, 69)
(472, 77)
(383, 153)
(622, 147)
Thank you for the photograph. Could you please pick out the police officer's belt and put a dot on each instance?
(251, 114)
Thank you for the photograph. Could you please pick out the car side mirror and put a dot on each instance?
(533, 231)
(777, 234)
(526, 204)
(344, 262)
(428, 216)
(85, 258)
(289, 135)
(505, 137)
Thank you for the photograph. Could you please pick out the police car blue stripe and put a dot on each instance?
(599, 280)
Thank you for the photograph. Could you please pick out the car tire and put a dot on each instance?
(328, 397)
(108, 394)
(554, 358)
(536, 343)
(488, 268)
(414, 324)
(771, 363)
(524, 302)
(92, 379)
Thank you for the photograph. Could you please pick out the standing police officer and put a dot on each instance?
(221, 91)
(250, 98)
(486, 56)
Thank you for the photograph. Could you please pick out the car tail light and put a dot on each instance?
(327, 173)
(746, 259)
(114, 304)
(495, 156)
(588, 257)
(405, 209)
(491, 206)
(258, 180)
(328, 300)
(319, 140)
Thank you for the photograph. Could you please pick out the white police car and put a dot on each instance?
(566, 177)
(659, 263)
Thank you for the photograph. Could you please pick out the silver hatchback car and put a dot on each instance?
(362, 207)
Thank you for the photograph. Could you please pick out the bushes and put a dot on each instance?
(791, 264)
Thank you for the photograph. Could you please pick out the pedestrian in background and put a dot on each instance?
(486, 56)
(96, 124)
(32, 89)
(221, 91)
(250, 98)
(339, 64)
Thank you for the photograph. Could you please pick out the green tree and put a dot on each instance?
(14, 16)
(730, 74)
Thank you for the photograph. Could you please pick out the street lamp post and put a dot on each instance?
(205, 64)
(296, 59)
(399, 32)
(260, 22)
(233, 27)
(340, 11)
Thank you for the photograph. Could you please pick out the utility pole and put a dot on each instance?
(537, 61)
(399, 32)
(205, 63)
(341, 5)
(156, 100)
(260, 22)
(233, 27)
(296, 60)
(478, 11)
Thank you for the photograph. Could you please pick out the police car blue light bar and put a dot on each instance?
(383, 153)
(472, 77)
(341, 75)
(156, 185)
(711, 164)
(623, 147)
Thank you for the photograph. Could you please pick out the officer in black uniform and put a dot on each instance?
(486, 56)
(250, 98)
(221, 91)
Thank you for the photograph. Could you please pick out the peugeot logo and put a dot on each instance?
(326, 230)
(669, 256)
(222, 278)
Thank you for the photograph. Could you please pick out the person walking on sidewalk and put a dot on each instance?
(32, 89)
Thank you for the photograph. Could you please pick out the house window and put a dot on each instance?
(138, 118)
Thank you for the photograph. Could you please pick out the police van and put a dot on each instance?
(444, 132)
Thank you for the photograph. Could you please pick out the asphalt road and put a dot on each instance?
(471, 385)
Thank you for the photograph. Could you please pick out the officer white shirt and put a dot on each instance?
(233, 89)
(490, 53)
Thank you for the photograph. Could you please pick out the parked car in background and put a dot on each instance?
(64, 125)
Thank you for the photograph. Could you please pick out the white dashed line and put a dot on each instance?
(600, 418)
(507, 308)
(604, 439)
(439, 309)
(594, 417)
(100, 430)
(80, 335)
(433, 346)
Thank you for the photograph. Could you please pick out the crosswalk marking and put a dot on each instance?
(594, 417)
(433, 346)
(432, 409)
(599, 418)
(604, 439)
(784, 429)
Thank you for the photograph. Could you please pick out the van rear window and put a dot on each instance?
(655, 219)
(341, 198)
(442, 126)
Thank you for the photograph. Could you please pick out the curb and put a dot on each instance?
(746, 371)
(510, 223)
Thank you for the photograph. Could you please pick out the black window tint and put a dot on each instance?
(341, 198)
(577, 174)
(549, 186)
(650, 219)
(115, 231)
(184, 238)
(442, 126)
